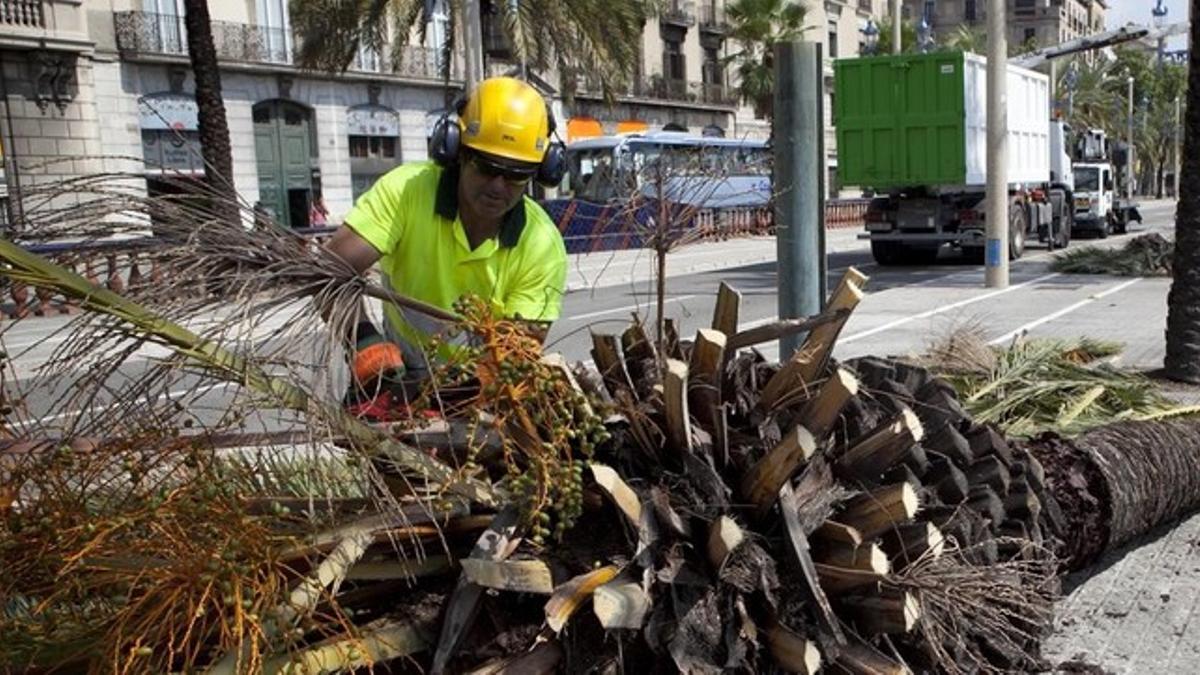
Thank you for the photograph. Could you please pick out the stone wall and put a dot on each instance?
(48, 119)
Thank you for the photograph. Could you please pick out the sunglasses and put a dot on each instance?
(490, 169)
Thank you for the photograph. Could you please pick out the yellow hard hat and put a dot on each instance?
(506, 117)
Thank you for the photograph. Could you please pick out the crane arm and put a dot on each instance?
(1107, 38)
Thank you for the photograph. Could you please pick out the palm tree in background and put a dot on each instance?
(1183, 302)
(214, 128)
(757, 25)
(572, 36)
(908, 36)
(967, 38)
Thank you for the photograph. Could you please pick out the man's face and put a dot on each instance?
(490, 187)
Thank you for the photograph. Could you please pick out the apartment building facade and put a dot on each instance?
(105, 85)
(1030, 22)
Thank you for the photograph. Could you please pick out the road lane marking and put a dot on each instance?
(628, 308)
(197, 390)
(1062, 312)
(944, 308)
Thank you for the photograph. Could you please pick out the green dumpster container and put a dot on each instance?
(920, 120)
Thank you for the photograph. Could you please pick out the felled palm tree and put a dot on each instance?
(568, 35)
(757, 25)
(1183, 302)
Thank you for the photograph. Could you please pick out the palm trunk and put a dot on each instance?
(1120, 481)
(214, 129)
(1183, 302)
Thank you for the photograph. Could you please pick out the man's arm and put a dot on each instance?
(360, 255)
(352, 248)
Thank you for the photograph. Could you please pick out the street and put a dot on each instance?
(904, 308)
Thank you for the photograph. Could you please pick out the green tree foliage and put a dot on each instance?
(967, 38)
(1100, 100)
(573, 36)
(908, 36)
(757, 25)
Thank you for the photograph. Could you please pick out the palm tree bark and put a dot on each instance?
(1120, 481)
(214, 128)
(1183, 302)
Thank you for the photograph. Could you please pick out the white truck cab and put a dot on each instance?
(1094, 197)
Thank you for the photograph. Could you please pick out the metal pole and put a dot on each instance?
(798, 138)
(897, 27)
(1053, 87)
(1178, 130)
(472, 43)
(996, 256)
(1129, 139)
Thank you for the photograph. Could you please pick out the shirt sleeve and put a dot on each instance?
(538, 294)
(379, 214)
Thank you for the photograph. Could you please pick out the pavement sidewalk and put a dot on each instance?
(588, 271)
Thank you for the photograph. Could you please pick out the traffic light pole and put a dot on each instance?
(797, 135)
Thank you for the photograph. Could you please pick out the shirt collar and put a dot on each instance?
(446, 206)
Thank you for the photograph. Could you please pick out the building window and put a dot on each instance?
(374, 136)
(1030, 34)
(833, 39)
(674, 65)
(373, 147)
(969, 11)
(712, 73)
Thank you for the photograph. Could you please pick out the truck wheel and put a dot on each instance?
(1106, 227)
(887, 252)
(1064, 229)
(1017, 227)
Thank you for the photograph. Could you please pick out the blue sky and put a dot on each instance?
(1121, 12)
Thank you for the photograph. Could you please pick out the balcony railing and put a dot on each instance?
(667, 89)
(712, 19)
(22, 13)
(147, 33)
(150, 33)
(414, 61)
(679, 13)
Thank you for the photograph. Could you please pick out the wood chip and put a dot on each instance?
(621, 604)
(521, 576)
(724, 535)
(619, 491)
(569, 597)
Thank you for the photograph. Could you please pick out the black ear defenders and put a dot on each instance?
(445, 143)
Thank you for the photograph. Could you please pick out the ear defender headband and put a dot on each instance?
(445, 143)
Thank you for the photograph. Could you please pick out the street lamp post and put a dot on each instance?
(897, 27)
(924, 34)
(1129, 139)
(871, 37)
(1177, 133)
(1159, 12)
(1072, 79)
(996, 197)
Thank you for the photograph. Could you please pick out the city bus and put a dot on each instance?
(614, 183)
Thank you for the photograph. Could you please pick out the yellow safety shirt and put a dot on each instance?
(410, 216)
